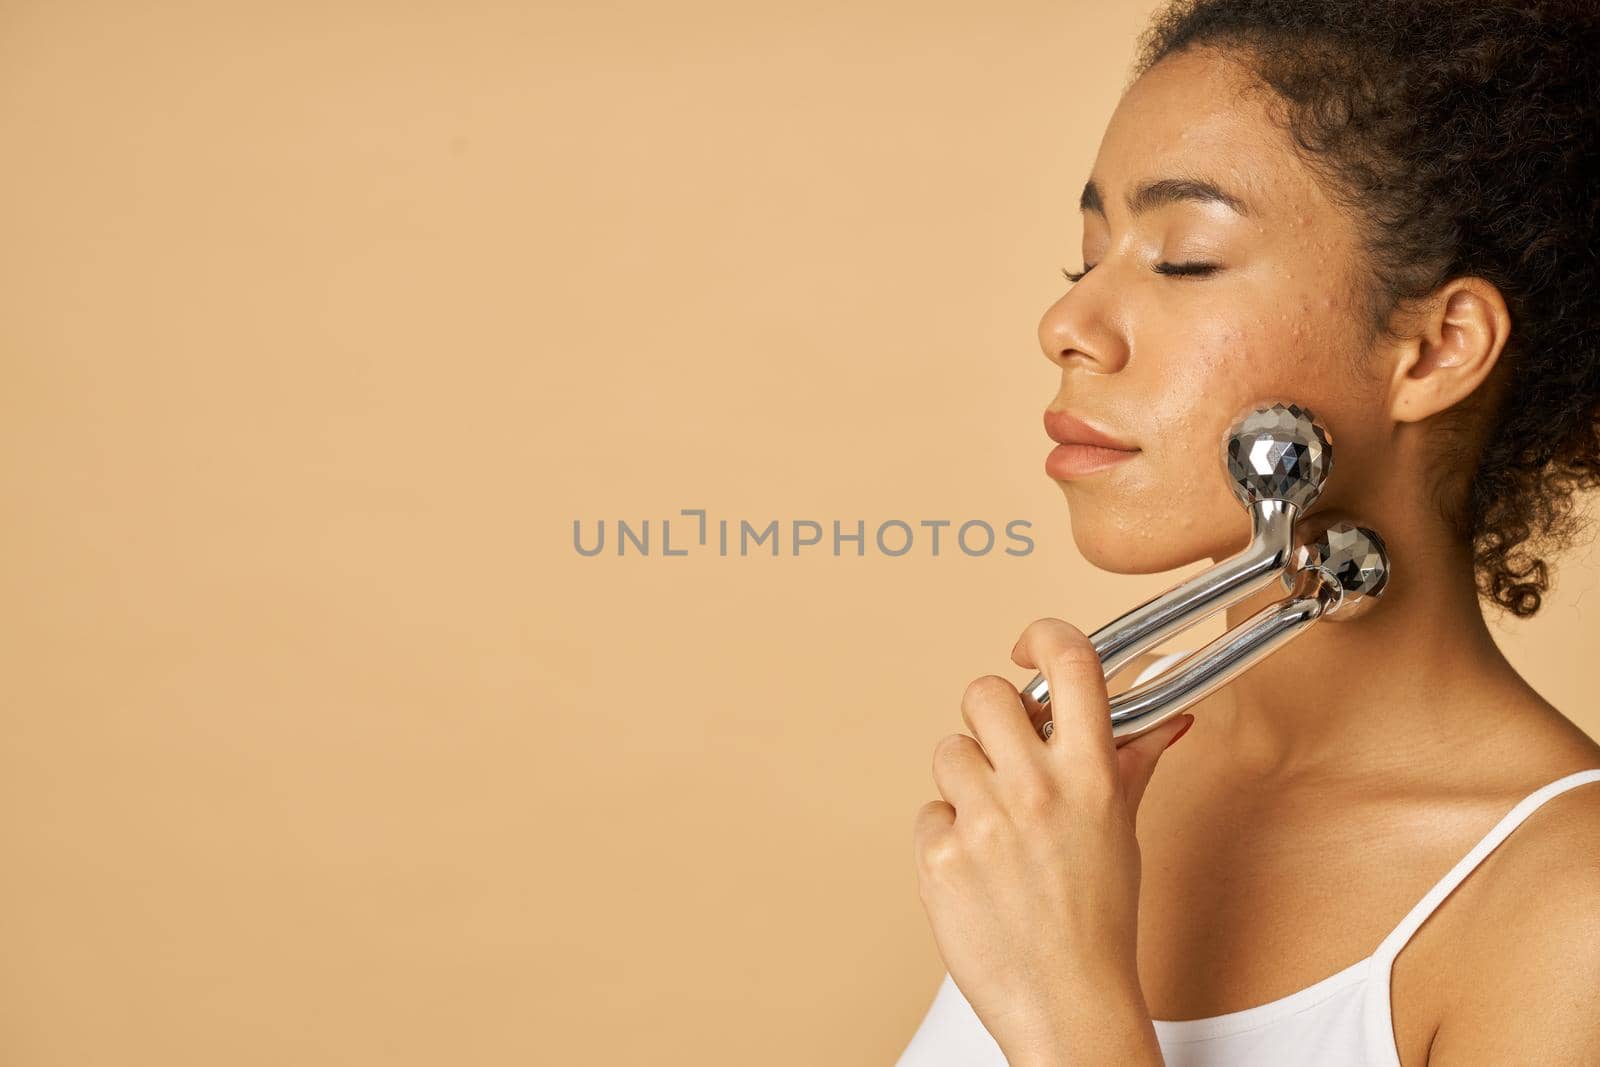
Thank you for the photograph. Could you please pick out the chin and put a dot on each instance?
(1150, 541)
(1120, 551)
(1125, 558)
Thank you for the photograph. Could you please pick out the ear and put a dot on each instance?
(1453, 341)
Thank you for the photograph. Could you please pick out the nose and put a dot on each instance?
(1081, 329)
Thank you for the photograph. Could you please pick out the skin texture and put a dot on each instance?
(1321, 794)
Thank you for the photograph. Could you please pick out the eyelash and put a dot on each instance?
(1178, 270)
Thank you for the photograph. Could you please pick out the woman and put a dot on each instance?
(1376, 847)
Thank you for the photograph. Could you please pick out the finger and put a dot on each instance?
(933, 822)
(1038, 714)
(993, 711)
(935, 850)
(1136, 760)
(961, 770)
(1080, 703)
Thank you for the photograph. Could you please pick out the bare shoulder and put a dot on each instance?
(1521, 987)
(1556, 846)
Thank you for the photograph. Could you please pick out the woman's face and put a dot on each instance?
(1270, 309)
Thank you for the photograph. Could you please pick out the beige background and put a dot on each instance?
(320, 325)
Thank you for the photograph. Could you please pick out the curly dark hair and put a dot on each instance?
(1465, 136)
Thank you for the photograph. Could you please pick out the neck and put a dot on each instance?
(1414, 680)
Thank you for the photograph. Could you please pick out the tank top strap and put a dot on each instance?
(1392, 944)
(1161, 663)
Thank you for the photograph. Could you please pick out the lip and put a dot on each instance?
(1065, 428)
(1075, 461)
(1081, 449)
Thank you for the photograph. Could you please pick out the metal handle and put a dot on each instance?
(1198, 598)
(1337, 576)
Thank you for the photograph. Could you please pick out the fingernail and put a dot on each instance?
(1180, 733)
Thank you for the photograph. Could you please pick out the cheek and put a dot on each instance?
(1189, 484)
(1215, 380)
(1299, 352)
(1217, 377)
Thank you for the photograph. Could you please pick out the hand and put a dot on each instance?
(1029, 868)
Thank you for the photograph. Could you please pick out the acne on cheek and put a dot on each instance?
(1303, 332)
(1320, 324)
(1280, 348)
(1237, 370)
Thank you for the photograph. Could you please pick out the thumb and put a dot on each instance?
(1137, 759)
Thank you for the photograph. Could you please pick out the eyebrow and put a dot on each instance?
(1160, 192)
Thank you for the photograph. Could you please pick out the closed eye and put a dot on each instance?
(1187, 270)
(1178, 270)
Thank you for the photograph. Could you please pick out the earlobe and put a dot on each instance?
(1458, 335)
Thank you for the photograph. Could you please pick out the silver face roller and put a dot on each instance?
(1337, 576)
(1277, 458)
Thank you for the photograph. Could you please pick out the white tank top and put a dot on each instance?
(1341, 1021)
